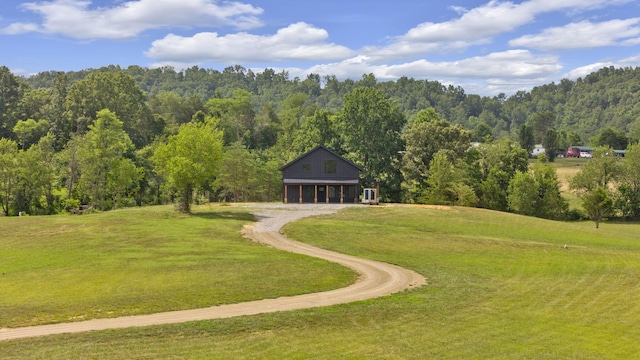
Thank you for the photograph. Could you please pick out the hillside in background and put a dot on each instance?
(604, 99)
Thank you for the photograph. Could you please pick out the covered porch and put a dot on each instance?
(307, 191)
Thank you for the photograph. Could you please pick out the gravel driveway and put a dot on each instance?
(376, 279)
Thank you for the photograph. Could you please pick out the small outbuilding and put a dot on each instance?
(320, 176)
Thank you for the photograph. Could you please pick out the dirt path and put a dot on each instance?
(376, 279)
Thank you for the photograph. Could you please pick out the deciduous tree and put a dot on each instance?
(117, 92)
(8, 172)
(318, 129)
(598, 204)
(173, 110)
(123, 181)
(551, 204)
(10, 95)
(38, 174)
(612, 138)
(498, 162)
(424, 137)
(235, 115)
(592, 183)
(237, 172)
(370, 125)
(100, 157)
(628, 197)
(600, 170)
(190, 159)
(447, 182)
(30, 131)
(537, 193)
(523, 194)
(483, 132)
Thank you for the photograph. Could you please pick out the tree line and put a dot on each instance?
(116, 137)
(579, 109)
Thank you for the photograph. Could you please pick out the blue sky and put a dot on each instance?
(486, 47)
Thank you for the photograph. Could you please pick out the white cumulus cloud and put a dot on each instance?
(512, 66)
(79, 20)
(18, 28)
(583, 35)
(586, 70)
(299, 41)
(507, 71)
(632, 61)
(477, 26)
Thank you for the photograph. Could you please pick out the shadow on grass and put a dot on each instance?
(229, 215)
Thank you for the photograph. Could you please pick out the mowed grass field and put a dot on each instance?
(140, 261)
(500, 286)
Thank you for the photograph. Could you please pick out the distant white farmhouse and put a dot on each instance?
(537, 150)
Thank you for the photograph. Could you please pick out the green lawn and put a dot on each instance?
(500, 286)
(145, 260)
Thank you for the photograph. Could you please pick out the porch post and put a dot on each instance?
(326, 193)
(300, 194)
(315, 196)
(286, 196)
(341, 194)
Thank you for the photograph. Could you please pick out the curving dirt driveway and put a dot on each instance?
(376, 279)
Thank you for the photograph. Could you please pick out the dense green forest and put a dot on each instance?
(604, 99)
(111, 137)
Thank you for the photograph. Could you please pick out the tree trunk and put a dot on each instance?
(50, 200)
(186, 200)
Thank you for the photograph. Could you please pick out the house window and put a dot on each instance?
(329, 166)
(306, 167)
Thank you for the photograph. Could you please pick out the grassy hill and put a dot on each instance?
(143, 260)
(500, 286)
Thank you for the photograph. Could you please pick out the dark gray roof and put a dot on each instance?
(315, 149)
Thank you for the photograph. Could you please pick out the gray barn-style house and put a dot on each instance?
(320, 176)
